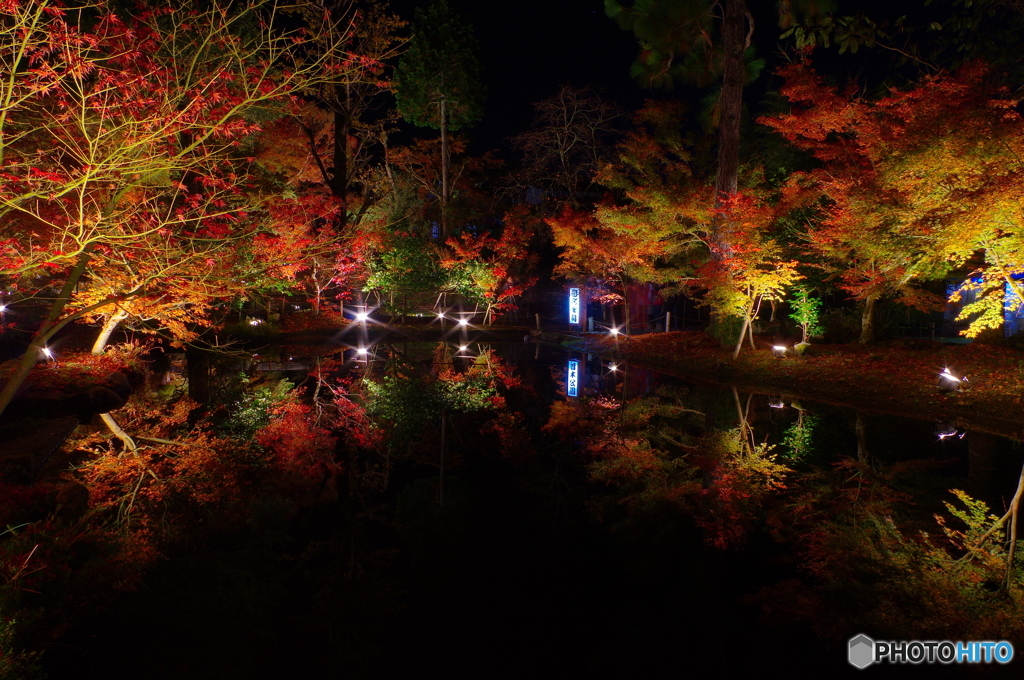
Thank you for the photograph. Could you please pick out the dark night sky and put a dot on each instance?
(527, 56)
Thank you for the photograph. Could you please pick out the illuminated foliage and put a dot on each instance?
(490, 271)
(806, 312)
(123, 154)
(915, 183)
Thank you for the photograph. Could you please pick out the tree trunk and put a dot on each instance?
(1014, 515)
(116, 317)
(867, 320)
(861, 430)
(197, 363)
(730, 107)
(446, 158)
(743, 335)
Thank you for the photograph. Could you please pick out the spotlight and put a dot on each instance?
(463, 348)
(613, 367)
(47, 352)
(362, 316)
(950, 383)
(3, 308)
(440, 315)
(361, 351)
(613, 331)
(463, 322)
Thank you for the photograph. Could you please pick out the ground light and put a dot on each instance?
(362, 316)
(463, 322)
(613, 331)
(463, 348)
(778, 350)
(361, 351)
(3, 308)
(948, 381)
(613, 367)
(48, 353)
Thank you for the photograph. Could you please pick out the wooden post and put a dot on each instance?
(538, 320)
(668, 321)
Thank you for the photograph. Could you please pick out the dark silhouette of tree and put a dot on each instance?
(567, 145)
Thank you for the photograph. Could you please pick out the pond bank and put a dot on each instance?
(897, 377)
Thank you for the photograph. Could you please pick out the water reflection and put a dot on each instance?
(810, 504)
(470, 475)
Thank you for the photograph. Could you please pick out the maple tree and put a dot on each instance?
(343, 133)
(864, 230)
(701, 41)
(754, 270)
(417, 169)
(123, 145)
(660, 232)
(492, 271)
(666, 229)
(918, 182)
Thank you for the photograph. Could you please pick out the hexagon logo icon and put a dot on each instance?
(862, 651)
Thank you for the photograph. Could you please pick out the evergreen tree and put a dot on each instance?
(437, 83)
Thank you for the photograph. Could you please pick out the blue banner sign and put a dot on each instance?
(574, 305)
(572, 384)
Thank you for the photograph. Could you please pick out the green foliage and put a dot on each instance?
(252, 411)
(798, 439)
(15, 664)
(930, 34)
(675, 38)
(441, 63)
(806, 312)
(471, 279)
(982, 541)
(726, 329)
(412, 405)
(406, 265)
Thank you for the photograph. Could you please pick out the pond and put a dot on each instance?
(645, 524)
